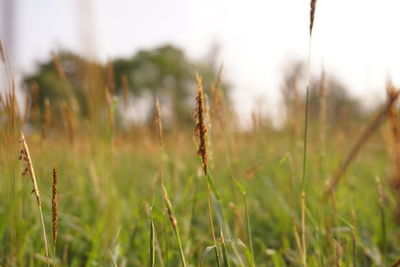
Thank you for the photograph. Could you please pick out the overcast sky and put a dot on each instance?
(357, 40)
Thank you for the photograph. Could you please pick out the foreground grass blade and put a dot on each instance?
(174, 224)
(242, 190)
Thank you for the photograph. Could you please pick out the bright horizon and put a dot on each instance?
(356, 40)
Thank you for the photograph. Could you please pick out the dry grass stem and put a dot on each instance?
(364, 137)
(322, 111)
(159, 122)
(25, 157)
(125, 89)
(54, 212)
(313, 5)
(46, 118)
(67, 118)
(217, 101)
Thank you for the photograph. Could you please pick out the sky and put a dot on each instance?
(355, 40)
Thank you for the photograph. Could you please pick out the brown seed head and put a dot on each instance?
(313, 5)
(54, 210)
(159, 122)
(200, 130)
(28, 170)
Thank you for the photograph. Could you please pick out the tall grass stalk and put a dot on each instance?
(171, 214)
(353, 238)
(54, 213)
(224, 250)
(25, 157)
(313, 4)
(201, 132)
(152, 238)
(381, 203)
(243, 191)
(361, 141)
(174, 224)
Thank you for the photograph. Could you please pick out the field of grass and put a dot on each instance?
(107, 190)
(148, 196)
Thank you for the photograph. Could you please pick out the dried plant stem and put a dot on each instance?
(303, 229)
(248, 226)
(381, 201)
(174, 224)
(152, 239)
(224, 250)
(29, 170)
(303, 182)
(353, 238)
(125, 89)
(338, 254)
(210, 213)
(54, 213)
(322, 119)
(297, 238)
(159, 122)
(395, 149)
(365, 135)
(201, 131)
(46, 118)
(67, 118)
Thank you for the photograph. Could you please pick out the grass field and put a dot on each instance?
(106, 191)
(148, 196)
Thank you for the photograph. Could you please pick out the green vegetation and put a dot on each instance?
(147, 196)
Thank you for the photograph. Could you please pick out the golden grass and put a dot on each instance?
(54, 212)
(25, 157)
(360, 142)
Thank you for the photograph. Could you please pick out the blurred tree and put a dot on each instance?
(163, 72)
(60, 79)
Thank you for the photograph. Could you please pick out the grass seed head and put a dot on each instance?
(28, 168)
(54, 209)
(159, 122)
(200, 130)
(313, 5)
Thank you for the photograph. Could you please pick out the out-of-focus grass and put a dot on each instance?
(104, 190)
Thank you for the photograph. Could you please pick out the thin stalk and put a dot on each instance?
(152, 252)
(248, 226)
(210, 214)
(303, 193)
(44, 234)
(29, 170)
(353, 239)
(224, 250)
(54, 213)
(200, 132)
(382, 216)
(303, 229)
(304, 176)
(174, 224)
